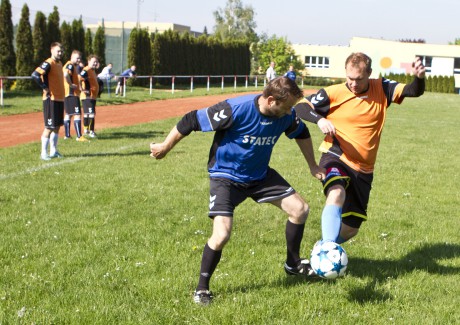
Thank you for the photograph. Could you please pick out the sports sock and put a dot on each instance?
(77, 125)
(67, 128)
(86, 123)
(45, 143)
(209, 263)
(331, 221)
(53, 142)
(294, 235)
(340, 240)
(91, 123)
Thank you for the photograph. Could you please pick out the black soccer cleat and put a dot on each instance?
(202, 297)
(302, 269)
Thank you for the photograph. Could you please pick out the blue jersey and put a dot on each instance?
(244, 138)
(127, 73)
(291, 75)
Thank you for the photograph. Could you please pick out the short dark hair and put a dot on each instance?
(356, 58)
(54, 44)
(281, 88)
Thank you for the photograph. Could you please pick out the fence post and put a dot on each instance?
(191, 84)
(124, 87)
(222, 82)
(172, 85)
(234, 83)
(1, 91)
(151, 85)
(246, 82)
(256, 82)
(207, 85)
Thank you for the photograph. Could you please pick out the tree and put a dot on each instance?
(66, 40)
(139, 52)
(39, 40)
(24, 52)
(53, 31)
(456, 42)
(274, 49)
(235, 22)
(78, 35)
(88, 44)
(7, 55)
(99, 44)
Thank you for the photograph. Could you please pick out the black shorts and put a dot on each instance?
(72, 105)
(121, 81)
(53, 113)
(89, 106)
(226, 195)
(357, 186)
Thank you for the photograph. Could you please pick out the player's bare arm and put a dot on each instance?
(160, 150)
(306, 147)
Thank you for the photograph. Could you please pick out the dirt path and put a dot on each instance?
(24, 128)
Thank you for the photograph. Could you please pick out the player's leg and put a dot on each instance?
(66, 126)
(224, 197)
(45, 140)
(331, 217)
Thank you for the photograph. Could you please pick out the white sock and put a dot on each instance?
(53, 143)
(45, 142)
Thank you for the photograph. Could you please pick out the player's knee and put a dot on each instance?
(336, 195)
(299, 212)
(219, 239)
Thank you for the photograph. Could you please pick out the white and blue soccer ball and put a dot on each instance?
(329, 260)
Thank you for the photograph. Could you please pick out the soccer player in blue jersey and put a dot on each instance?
(246, 130)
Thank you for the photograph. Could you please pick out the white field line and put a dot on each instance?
(59, 162)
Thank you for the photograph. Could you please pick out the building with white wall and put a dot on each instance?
(387, 56)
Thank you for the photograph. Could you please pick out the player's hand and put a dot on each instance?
(326, 126)
(157, 150)
(418, 69)
(318, 172)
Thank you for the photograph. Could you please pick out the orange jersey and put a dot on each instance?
(88, 79)
(53, 77)
(71, 70)
(358, 120)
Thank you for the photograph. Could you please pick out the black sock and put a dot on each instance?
(91, 124)
(67, 128)
(86, 123)
(209, 262)
(77, 124)
(294, 235)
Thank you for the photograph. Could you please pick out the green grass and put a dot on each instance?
(108, 235)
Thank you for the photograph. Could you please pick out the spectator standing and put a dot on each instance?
(271, 73)
(291, 73)
(128, 73)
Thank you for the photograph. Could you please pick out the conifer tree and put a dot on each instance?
(88, 44)
(39, 39)
(78, 35)
(7, 55)
(53, 31)
(99, 45)
(66, 41)
(24, 52)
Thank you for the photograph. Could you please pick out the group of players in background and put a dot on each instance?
(63, 86)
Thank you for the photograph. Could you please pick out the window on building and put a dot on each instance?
(426, 60)
(321, 62)
(456, 65)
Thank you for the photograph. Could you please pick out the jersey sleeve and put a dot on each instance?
(297, 129)
(215, 118)
(393, 91)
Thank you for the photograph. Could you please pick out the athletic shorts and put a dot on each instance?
(121, 81)
(357, 187)
(89, 106)
(226, 195)
(72, 105)
(53, 113)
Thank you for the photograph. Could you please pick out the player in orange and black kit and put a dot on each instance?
(89, 92)
(352, 116)
(72, 96)
(50, 78)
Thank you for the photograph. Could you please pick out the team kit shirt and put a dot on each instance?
(244, 137)
(89, 83)
(52, 76)
(358, 120)
(71, 70)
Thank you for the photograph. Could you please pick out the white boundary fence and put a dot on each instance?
(254, 80)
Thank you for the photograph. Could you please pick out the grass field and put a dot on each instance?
(108, 235)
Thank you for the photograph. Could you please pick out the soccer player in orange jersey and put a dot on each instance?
(352, 116)
(89, 91)
(50, 78)
(72, 96)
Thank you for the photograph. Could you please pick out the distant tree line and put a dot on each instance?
(436, 84)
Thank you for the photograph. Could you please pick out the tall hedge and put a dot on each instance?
(24, 51)
(39, 39)
(7, 54)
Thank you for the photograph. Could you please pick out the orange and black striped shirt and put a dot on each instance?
(71, 70)
(53, 77)
(88, 78)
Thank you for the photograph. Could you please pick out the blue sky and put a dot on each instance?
(324, 22)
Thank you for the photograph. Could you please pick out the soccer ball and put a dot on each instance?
(329, 260)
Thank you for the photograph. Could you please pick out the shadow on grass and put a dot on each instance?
(110, 154)
(131, 135)
(425, 258)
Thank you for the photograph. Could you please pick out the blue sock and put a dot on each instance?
(331, 221)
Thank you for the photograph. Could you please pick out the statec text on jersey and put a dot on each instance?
(259, 141)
